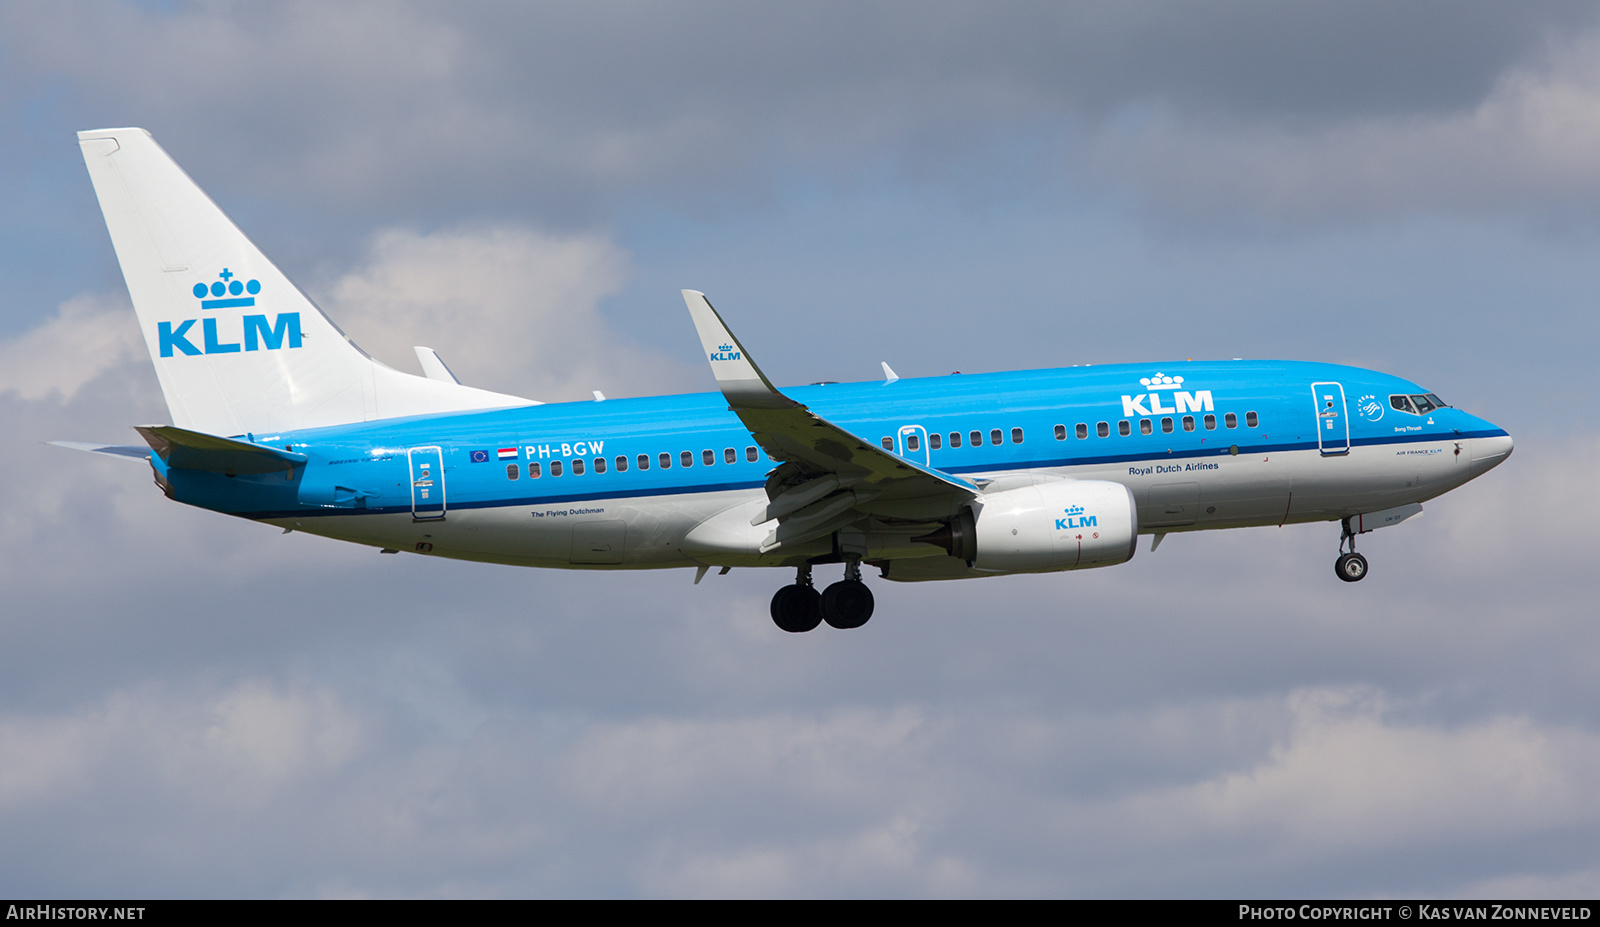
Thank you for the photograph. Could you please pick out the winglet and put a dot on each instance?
(741, 381)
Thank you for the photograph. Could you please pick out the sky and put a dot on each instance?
(197, 706)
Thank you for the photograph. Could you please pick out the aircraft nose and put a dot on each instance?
(1488, 453)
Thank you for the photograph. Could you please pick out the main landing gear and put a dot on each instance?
(1351, 566)
(844, 605)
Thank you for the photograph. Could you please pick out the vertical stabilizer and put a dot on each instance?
(237, 347)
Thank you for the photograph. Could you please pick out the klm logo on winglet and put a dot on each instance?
(1076, 519)
(725, 352)
(1182, 400)
(257, 332)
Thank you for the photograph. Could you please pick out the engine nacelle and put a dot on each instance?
(1046, 526)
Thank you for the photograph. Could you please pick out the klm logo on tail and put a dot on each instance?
(256, 332)
(725, 352)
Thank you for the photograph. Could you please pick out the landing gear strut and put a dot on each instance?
(848, 603)
(845, 604)
(1351, 566)
(798, 607)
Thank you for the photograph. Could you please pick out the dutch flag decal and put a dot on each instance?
(508, 453)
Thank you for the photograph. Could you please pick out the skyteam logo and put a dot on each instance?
(725, 352)
(1182, 400)
(1076, 519)
(256, 332)
(1369, 407)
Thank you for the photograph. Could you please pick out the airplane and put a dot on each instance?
(279, 418)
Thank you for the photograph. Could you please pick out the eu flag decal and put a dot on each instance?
(480, 456)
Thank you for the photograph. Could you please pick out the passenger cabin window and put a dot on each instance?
(977, 438)
(1211, 423)
(888, 443)
(555, 468)
(622, 463)
(1230, 420)
(1061, 432)
(533, 471)
(665, 460)
(1250, 420)
(934, 440)
(750, 454)
(1124, 429)
(599, 465)
(686, 458)
(1102, 429)
(1016, 436)
(955, 439)
(1083, 430)
(1145, 427)
(644, 461)
(577, 466)
(708, 457)
(512, 472)
(994, 436)
(1188, 423)
(913, 443)
(729, 455)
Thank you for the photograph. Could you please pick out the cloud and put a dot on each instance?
(87, 336)
(508, 308)
(235, 747)
(1296, 112)
(1530, 147)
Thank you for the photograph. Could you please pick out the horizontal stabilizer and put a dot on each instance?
(191, 450)
(131, 451)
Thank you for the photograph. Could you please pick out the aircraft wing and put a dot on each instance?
(841, 473)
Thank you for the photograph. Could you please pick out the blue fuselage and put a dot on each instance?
(1201, 444)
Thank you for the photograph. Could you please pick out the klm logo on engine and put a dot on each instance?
(1182, 400)
(219, 334)
(725, 352)
(1076, 519)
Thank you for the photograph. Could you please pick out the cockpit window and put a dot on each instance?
(1417, 405)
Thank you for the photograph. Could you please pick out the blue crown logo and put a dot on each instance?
(225, 287)
(1075, 510)
(724, 347)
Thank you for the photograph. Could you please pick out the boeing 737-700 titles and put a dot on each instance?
(277, 417)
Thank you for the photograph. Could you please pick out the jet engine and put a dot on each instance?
(1044, 527)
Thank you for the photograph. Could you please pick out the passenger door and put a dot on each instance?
(427, 484)
(1333, 418)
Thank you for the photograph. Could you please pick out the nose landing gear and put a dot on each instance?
(845, 604)
(1351, 566)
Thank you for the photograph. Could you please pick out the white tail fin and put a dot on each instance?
(237, 347)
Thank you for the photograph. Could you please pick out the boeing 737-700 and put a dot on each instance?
(279, 418)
